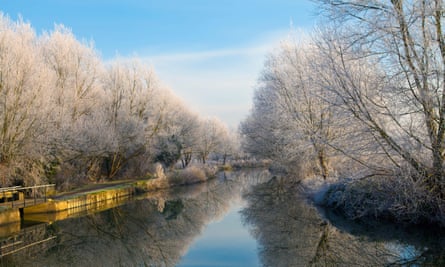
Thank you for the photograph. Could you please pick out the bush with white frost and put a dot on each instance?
(399, 199)
(191, 175)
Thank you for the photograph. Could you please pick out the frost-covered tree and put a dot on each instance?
(76, 68)
(403, 104)
(131, 91)
(67, 117)
(22, 105)
(75, 120)
(180, 129)
(292, 121)
(229, 146)
(211, 134)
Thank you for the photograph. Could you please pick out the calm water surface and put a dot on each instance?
(242, 218)
(225, 242)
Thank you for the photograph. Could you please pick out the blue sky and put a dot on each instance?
(209, 52)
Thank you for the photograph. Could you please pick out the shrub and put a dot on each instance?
(226, 167)
(400, 199)
(190, 175)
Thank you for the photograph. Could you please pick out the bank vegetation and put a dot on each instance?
(362, 99)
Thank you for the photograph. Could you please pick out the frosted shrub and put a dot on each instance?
(400, 199)
(191, 175)
(209, 170)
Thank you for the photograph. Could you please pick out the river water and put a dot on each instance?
(244, 218)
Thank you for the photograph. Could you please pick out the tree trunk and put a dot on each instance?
(323, 164)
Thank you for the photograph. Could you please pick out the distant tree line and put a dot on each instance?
(362, 97)
(68, 117)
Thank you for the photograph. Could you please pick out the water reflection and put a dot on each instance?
(291, 232)
(223, 243)
(159, 228)
(156, 230)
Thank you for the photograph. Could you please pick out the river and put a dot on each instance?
(244, 218)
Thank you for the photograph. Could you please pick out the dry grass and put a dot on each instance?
(190, 175)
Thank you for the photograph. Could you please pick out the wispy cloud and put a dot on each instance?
(208, 55)
(217, 82)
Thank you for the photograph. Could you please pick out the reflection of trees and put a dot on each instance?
(157, 230)
(402, 247)
(154, 231)
(291, 233)
(285, 228)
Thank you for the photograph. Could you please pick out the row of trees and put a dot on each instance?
(364, 96)
(68, 116)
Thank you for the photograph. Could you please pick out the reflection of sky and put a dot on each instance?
(223, 243)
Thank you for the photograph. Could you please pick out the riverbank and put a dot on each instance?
(107, 193)
(396, 200)
(166, 227)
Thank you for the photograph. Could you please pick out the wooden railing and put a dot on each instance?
(20, 197)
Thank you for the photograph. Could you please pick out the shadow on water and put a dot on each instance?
(159, 228)
(291, 232)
